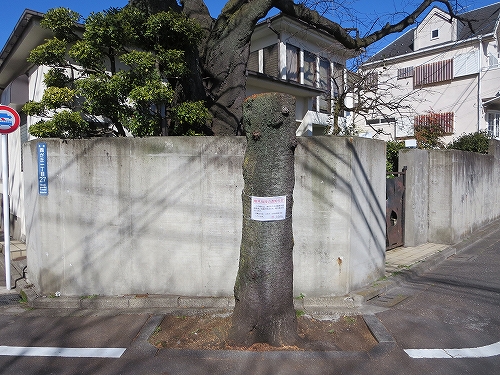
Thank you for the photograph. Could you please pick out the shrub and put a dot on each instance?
(474, 142)
(393, 148)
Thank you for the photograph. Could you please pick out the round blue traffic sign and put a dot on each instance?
(9, 119)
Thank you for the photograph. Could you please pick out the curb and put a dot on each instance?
(137, 301)
(385, 340)
(140, 346)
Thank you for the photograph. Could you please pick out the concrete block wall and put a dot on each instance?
(416, 196)
(450, 193)
(163, 215)
(339, 214)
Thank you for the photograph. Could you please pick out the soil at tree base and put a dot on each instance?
(205, 332)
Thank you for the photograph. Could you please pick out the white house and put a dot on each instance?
(286, 55)
(444, 66)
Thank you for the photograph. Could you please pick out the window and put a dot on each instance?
(439, 71)
(435, 34)
(325, 83)
(387, 119)
(371, 81)
(443, 120)
(271, 60)
(465, 64)
(494, 124)
(384, 120)
(292, 63)
(492, 60)
(405, 72)
(338, 79)
(253, 62)
(309, 68)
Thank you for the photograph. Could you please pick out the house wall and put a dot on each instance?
(490, 82)
(436, 20)
(15, 95)
(163, 215)
(450, 193)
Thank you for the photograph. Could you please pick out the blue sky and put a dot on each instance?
(365, 11)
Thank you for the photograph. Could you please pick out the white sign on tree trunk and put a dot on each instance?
(269, 208)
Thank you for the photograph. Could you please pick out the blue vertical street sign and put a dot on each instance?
(43, 178)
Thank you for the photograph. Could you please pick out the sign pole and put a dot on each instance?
(6, 208)
(9, 122)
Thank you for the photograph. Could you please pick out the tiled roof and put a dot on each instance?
(483, 21)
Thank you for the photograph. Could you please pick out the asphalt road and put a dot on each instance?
(455, 305)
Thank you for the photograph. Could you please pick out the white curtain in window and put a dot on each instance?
(292, 63)
(309, 68)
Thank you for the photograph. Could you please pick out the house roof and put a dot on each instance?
(483, 21)
(26, 35)
(283, 22)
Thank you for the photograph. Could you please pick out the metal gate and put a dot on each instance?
(395, 210)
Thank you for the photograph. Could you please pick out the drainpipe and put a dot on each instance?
(281, 52)
(479, 104)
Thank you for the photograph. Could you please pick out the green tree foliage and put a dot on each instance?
(474, 142)
(392, 151)
(122, 68)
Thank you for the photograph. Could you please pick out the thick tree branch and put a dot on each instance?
(197, 10)
(340, 34)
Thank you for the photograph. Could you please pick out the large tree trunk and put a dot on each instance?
(264, 310)
(225, 62)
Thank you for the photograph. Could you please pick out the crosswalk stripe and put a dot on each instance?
(480, 352)
(61, 352)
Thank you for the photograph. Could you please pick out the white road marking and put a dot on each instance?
(480, 352)
(61, 352)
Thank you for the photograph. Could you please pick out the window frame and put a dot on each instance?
(292, 57)
(433, 73)
(310, 68)
(271, 60)
(493, 126)
(325, 83)
(446, 121)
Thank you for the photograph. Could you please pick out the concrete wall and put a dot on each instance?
(163, 215)
(339, 214)
(450, 193)
(416, 196)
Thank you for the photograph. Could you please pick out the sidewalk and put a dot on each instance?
(404, 257)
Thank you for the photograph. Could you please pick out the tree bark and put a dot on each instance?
(225, 62)
(263, 291)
